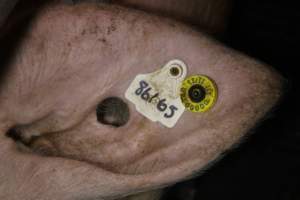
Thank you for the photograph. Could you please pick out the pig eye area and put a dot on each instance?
(112, 111)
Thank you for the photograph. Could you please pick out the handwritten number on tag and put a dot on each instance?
(173, 109)
(153, 97)
(145, 94)
(143, 85)
(162, 106)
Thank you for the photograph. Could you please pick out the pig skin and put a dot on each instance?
(72, 57)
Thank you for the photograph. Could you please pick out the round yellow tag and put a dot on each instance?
(198, 93)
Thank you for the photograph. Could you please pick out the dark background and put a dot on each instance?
(267, 165)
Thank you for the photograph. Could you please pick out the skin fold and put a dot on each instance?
(73, 57)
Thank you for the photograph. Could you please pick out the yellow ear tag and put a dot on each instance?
(198, 93)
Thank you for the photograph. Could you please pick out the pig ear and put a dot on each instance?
(72, 179)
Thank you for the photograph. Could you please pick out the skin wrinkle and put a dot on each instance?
(89, 147)
(174, 149)
(158, 151)
(80, 146)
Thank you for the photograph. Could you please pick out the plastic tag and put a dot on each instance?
(199, 93)
(157, 95)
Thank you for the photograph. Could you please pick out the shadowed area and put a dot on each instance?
(113, 111)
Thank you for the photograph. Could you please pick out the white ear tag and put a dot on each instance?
(157, 95)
